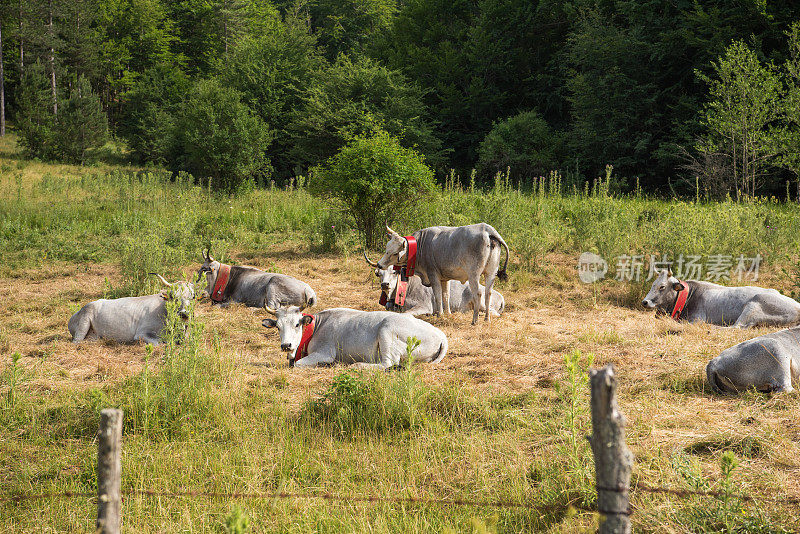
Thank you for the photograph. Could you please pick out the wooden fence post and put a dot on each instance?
(109, 471)
(612, 458)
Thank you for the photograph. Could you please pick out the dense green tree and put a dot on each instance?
(524, 143)
(218, 137)
(370, 178)
(272, 72)
(82, 125)
(34, 117)
(354, 98)
(149, 112)
(350, 26)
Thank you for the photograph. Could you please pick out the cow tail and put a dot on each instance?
(713, 379)
(442, 351)
(502, 274)
(309, 296)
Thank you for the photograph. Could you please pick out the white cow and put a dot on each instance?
(130, 319)
(368, 339)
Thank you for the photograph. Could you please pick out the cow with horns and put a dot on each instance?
(131, 319)
(253, 287)
(418, 299)
(442, 253)
(366, 339)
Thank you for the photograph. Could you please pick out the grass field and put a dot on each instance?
(501, 417)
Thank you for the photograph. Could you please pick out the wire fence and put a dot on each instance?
(500, 504)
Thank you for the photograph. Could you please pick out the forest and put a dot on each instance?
(682, 98)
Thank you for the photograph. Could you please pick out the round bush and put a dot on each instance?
(374, 179)
(523, 142)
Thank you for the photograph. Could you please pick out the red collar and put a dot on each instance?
(412, 255)
(308, 331)
(223, 274)
(680, 302)
(406, 272)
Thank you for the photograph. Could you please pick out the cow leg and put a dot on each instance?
(147, 338)
(446, 296)
(436, 285)
(487, 296)
(751, 315)
(314, 359)
(475, 288)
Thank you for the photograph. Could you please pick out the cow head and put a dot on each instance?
(396, 251)
(290, 322)
(182, 292)
(210, 269)
(387, 277)
(663, 292)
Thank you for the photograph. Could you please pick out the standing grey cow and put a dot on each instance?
(419, 299)
(767, 363)
(741, 307)
(130, 319)
(368, 339)
(447, 253)
(254, 287)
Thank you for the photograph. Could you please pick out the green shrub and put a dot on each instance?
(523, 142)
(218, 137)
(374, 179)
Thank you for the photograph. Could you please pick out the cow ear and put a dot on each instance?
(306, 320)
(677, 286)
(269, 323)
(164, 294)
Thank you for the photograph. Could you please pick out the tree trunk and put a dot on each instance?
(2, 87)
(52, 58)
(21, 44)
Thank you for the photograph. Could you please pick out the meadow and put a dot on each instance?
(502, 417)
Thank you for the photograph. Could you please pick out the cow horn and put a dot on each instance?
(372, 263)
(205, 254)
(270, 310)
(163, 281)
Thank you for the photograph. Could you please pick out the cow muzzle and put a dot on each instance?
(648, 304)
(385, 287)
(183, 314)
(286, 347)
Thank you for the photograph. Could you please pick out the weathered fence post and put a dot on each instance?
(612, 458)
(109, 471)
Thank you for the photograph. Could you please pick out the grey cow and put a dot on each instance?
(445, 253)
(767, 363)
(741, 307)
(419, 299)
(367, 339)
(256, 288)
(130, 319)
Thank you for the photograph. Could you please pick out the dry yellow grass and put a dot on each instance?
(660, 363)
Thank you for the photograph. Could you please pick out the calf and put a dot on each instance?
(445, 253)
(253, 287)
(366, 339)
(766, 363)
(130, 319)
(741, 307)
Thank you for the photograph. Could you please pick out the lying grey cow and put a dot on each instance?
(767, 363)
(130, 319)
(445, 253)
(742, 307)
(368, 339)
(419, 299)
(256, 288)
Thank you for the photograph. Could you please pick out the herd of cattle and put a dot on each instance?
(436, 270)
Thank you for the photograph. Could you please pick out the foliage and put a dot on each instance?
(374, 179)
(350, 26)
(359, 97)
(523, 143)
(219, 138)
(82, 125)
(150, 110)
(746, 100)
